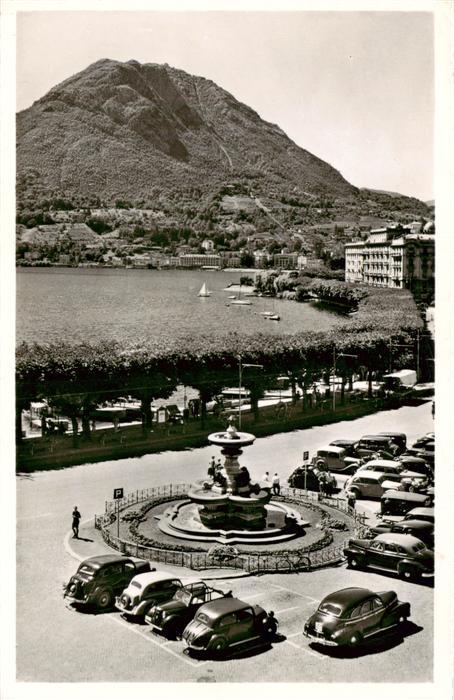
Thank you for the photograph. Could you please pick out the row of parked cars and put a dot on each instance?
(211, 620)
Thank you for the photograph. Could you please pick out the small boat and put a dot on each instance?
(232, 296)
(204, 292)
(266, 313)
(273, 317)
(241, 302)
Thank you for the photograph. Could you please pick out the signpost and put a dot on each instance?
(305, 460)
(118, 494)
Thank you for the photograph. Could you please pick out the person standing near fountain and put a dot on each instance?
(276, 484)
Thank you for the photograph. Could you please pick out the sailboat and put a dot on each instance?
(204, 291)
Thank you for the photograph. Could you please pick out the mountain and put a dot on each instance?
(156, 138)
(124, 129)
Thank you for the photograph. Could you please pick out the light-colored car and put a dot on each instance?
(393, 470)
(370, 484)
(334, 459)
(146, 590)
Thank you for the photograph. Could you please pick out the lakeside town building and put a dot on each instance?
(392, 257)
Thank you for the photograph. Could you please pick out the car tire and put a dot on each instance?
(104, 599)
(218, 645)
(172, 631)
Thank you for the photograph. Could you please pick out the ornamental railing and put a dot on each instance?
(251, 563)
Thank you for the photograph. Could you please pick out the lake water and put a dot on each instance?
(80, 304)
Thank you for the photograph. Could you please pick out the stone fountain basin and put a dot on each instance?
(207, 496)
(227, 440)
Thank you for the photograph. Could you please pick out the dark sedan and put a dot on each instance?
(348, 616)
(402, 554)
(420, 529)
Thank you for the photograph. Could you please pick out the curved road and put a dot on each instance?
(54, 644)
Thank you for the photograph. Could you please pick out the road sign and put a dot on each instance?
(306, 456)
(118, 493)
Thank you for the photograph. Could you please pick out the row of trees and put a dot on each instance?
(74, 379)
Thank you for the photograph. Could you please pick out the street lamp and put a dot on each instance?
(340, 354)
(240, 378)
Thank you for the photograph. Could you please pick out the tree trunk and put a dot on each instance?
(350, 382)
(369, 385)
(343, 390)
(293, 383)
(203, 413)
(86, 430)
(75, 428)
(147, 414)
(18, 422)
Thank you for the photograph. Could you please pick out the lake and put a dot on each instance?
(87, 305)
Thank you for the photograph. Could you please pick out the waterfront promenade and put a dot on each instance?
(56, 451)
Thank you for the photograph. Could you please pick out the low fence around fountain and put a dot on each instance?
(251, 563)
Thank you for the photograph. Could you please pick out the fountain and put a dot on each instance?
(227, 507)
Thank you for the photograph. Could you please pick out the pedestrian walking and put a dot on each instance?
(212, 467)
(351, 500)
(76, 517)
(266, 477)
(276, 484)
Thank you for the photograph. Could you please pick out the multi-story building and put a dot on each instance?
(390, 257)
(198, 260)
(285, 261)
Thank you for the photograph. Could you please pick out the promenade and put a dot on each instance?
(57, 451)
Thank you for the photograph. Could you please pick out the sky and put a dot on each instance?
(354, 88)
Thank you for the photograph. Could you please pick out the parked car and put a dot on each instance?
(348, 616)
(226, 623)
(400, 439)
(426, 514)
(146, 590)
(98, 579)
(171, 617)
(348, 445)
(421, 442)
(311, 478)
(369, 445)
(384, 466)
(398, 502)
(371, 484)
(403, 554)
(416, 465)
(335, 459)
(420, 529)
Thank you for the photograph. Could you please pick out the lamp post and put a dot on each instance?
(340, 354)
(240, 381)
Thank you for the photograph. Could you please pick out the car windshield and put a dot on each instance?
(183, 595)
(87, 570)
(330, 609)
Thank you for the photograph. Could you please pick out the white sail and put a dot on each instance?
(204, 292)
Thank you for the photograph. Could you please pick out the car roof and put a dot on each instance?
(421, 511)
(153, 577)
(369, 474)
(330, 448)
(392, 433)
(416, 524)
(405, 496)
(341, 442)
(383, 463)
(347, 597)
(397, 538)
(102, 559)
(383, 438)
(223, 606)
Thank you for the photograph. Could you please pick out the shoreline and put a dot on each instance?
(51, 454)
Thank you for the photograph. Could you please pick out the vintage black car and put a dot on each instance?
(227, 623)
(395, 502)
(399, 439)
(171, 617)
(305, 477)
(99, 579)
(426, 514)
(393, 552)
(348, 616)
(420, 529)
